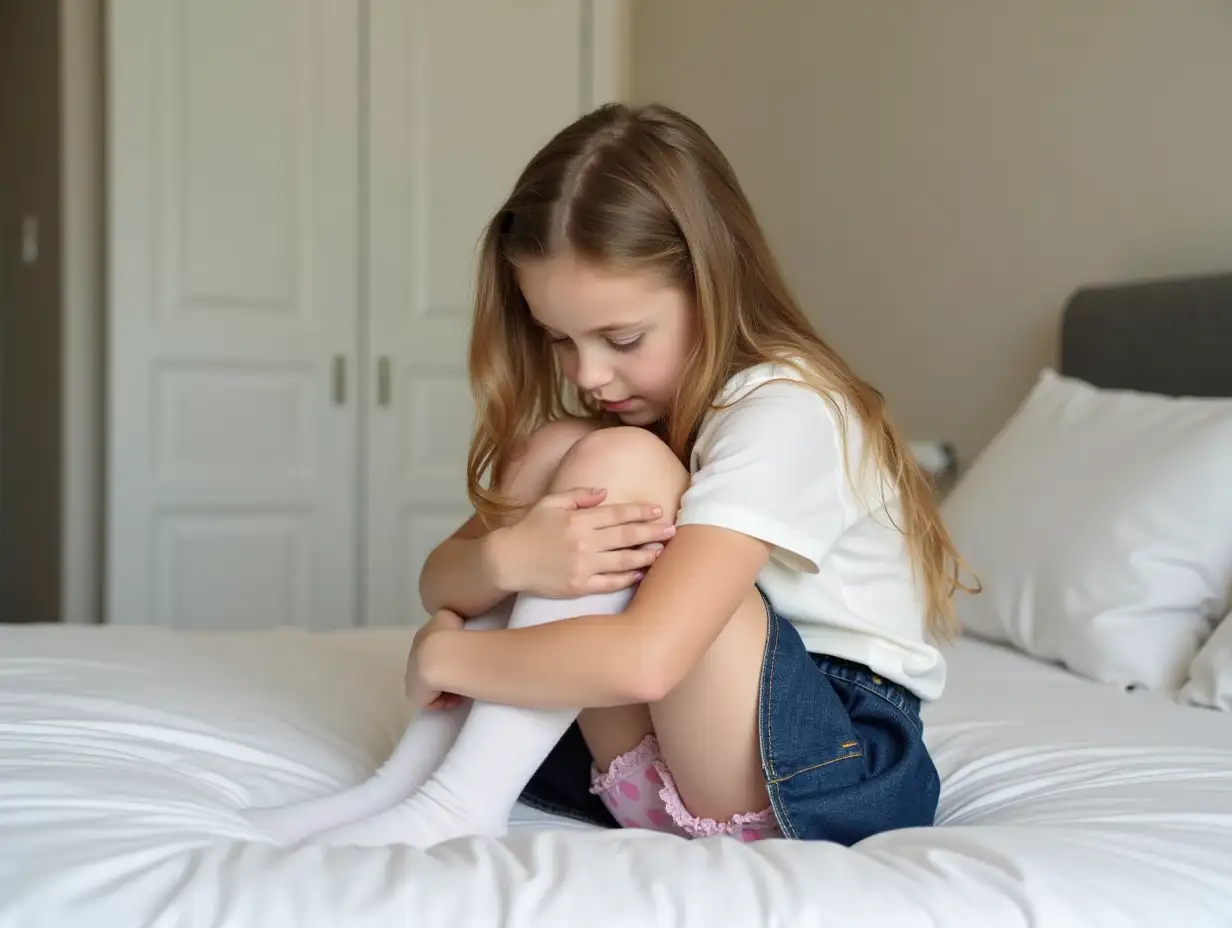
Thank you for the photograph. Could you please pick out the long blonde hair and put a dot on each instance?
(646, 188)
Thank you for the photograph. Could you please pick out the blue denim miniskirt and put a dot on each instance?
(842, 750)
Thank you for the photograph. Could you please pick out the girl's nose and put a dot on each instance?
(592, 374)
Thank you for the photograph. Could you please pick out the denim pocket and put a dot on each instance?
(905, 704)
(842, 749)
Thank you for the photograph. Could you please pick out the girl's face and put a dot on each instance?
(622, 337)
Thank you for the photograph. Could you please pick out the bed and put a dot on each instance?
(126, 753)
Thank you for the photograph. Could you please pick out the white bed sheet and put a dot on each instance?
(125, 753)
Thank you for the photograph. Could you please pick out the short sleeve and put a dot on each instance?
(771, 466)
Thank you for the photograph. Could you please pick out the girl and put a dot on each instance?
(751, 565)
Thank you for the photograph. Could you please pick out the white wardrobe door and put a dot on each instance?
(233, 227)
(463, 92)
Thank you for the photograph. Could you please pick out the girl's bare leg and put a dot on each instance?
(707, 726)
(500, 747)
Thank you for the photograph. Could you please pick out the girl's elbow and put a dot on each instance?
(649, 691)
(656, 674)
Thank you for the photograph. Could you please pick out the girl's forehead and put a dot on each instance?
(564, 290)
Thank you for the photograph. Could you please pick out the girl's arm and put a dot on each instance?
(592, 661)
(459, 574)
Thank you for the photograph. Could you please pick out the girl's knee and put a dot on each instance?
(559, 436)
(531, 473)
(624, 460)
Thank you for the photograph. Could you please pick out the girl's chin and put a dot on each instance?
(642, 416)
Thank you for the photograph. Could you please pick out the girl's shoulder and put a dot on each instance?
(776, 423)
(744, 382)
(785, 387)
(771, 408)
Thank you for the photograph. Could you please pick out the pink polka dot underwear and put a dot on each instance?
(639, 791)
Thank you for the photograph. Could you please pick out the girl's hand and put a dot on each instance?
(417, 693)
(568, 546)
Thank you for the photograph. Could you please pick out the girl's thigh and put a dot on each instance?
(613, 730)
(707, 726)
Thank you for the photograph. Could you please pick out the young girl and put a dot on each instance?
(667, 456)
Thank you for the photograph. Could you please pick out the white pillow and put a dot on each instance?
(1210, 674)
(1100, 525)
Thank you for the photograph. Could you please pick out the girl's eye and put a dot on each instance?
(626, 345)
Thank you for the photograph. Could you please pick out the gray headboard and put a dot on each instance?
(1164, 336)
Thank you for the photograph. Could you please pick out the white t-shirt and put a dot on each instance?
(771, 465)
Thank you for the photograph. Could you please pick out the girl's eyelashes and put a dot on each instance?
(627, 345)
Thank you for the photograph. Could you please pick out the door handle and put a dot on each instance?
(339, 380)
(383, 382)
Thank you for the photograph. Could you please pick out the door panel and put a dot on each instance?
(234, 317)
(463, 92)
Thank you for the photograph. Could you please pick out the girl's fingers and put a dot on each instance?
(634, 535)
(619, 562)
(610, 583)
(577, 498)
(621, 513)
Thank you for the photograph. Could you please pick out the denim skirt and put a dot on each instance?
(842, 750)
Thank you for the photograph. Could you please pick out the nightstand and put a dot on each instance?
(939, 461)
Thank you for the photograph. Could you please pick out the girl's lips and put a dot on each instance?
(622, 406)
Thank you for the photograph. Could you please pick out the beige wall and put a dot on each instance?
(82, 335)
(938, 175)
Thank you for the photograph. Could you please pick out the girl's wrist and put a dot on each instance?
(433, 662)
(426, 667)
(494, 554)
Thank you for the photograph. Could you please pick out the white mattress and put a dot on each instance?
(125, 753)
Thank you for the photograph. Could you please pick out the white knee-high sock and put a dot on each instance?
(498, 750)
(423, 746)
